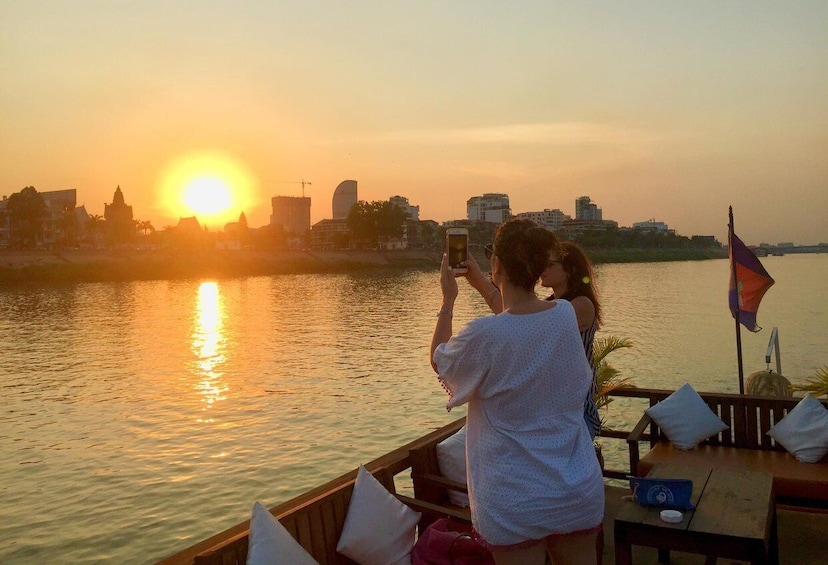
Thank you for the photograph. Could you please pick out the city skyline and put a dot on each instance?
(350, 186)
(666, 111)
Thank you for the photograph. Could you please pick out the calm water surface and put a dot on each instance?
(138, 418)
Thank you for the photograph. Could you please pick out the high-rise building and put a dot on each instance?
(413, 212)
(586, 210)
(550, 219)
(291, 212)
(344, 198)
(59, 227)
(491, 207)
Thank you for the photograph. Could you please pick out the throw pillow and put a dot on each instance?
(269, 543)
(451, 458)
(804, 431)
(378, 529)
(685, 418)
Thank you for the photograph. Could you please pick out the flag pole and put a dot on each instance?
(736, 288)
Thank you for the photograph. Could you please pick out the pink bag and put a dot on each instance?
(444, 543)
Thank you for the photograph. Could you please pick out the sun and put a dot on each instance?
(210, 185)
(207, 196)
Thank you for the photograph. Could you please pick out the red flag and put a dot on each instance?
(752, 281)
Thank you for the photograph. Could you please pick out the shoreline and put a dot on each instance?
(76, 266)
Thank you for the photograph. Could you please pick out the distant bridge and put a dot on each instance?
(786, 249)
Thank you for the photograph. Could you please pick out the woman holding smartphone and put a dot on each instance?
(569, 274)
(535, 486)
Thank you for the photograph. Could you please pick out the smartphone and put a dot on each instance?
(457, 248)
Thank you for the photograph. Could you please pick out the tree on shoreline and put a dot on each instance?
(375, 222)
(95, 226)
(26, 211)
(145, 227)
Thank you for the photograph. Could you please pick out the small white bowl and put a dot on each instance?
(672, 516)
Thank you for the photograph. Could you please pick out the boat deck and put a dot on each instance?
(801, 533)
(801, 537)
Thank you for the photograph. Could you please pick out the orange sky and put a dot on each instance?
(669, 110)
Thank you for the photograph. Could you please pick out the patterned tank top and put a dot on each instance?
(591, 415)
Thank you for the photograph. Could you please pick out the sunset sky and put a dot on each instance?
(664, 110)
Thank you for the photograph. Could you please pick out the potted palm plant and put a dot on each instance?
(607, 377)
(817, 385)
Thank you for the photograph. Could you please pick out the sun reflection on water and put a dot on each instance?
(208, 345)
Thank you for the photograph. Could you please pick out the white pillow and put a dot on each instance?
(685, 418)
(269, 543)
(804, 431)
(378, 529)
(451, 458)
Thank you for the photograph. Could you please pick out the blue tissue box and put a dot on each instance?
(663, 493)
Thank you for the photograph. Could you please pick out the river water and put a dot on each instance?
(138, 418)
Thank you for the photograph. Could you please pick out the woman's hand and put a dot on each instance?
(473, 273)
(482, 284)
(448, 283)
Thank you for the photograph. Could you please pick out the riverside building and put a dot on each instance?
(491, 207)
(585, 209)
(333, 233)
(550, 219)
(344, 198)
(291, 212)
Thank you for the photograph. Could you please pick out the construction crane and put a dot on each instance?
(302, 182)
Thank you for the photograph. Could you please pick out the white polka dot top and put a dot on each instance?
(532, 469)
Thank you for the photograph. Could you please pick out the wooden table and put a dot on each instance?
(735, 518)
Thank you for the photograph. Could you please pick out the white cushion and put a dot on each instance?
(804, 431)
(451, 458)
(685, 418)
(378, 529)
(269, 543)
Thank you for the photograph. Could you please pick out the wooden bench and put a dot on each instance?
(429, 483)
(745, 445)
(316, 518)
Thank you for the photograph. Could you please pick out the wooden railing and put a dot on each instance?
(746, 427)
(652, 396)
(315, 518)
